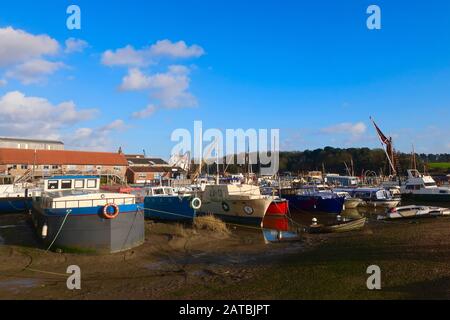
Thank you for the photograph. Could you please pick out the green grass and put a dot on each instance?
(439, 165)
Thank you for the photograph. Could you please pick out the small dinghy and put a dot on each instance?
(409, 212)
(341, 226)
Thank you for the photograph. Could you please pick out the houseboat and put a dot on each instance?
(235, 203)
(164, 203)
(419, 187)
(73, 214)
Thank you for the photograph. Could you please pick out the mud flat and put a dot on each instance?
(180, 262)
(173, 258)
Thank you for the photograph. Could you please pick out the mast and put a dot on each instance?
(217, 163)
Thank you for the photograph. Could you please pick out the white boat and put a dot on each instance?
(421, 187)
(414, 212)
(240, 204)
(350, 202)
(376, 197)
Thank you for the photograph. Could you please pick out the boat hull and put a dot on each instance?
(389, 204)
(278, 207)
(315, 204)
(431, 198)
(353, 225)
(15, 205)
(86, 230)
(352, 203)
(169, 208)
(246, 212)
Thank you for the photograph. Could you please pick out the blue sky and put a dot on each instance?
(310, 68)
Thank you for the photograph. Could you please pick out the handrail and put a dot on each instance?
(107, 201)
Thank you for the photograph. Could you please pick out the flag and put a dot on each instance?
(383, 138)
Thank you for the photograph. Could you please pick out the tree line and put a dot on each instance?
(354, 161)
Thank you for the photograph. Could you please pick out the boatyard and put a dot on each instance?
(198, 235)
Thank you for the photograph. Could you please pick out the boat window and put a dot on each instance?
(92, 183)
(158, 191)
(430, 184)
(66, 184)
(53, 184)
(79, 184)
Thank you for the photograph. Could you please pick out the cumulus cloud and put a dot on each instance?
(95, 138)
(144, 113)
(130, 57)
(17, 46)
(354, 129)
(34, 71)
(24, 56)
(176, 50)
(170, 88)
(127, 56)
(25, 116)
(135, 80)
(75, 45)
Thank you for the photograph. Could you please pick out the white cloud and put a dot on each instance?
(75, 45)
(95, 138)
(171, 88)
(355, 129)
(24, 56)
(176, 49)
(37, 117)
(131, 57)
(3, 82)
(17, 46)
(127, 56)
(116, 125)
(34, 71)
(145, 113)
(135, 80)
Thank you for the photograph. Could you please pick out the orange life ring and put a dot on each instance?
(108, 215)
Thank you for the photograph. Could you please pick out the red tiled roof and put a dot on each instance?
(60, 157)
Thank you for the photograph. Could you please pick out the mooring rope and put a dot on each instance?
(60, 228)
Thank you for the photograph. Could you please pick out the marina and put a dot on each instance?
(242, 151)
(223, 226)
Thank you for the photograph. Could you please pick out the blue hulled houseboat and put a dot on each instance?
(73, 214)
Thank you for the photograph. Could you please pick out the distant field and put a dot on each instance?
(439, 165)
